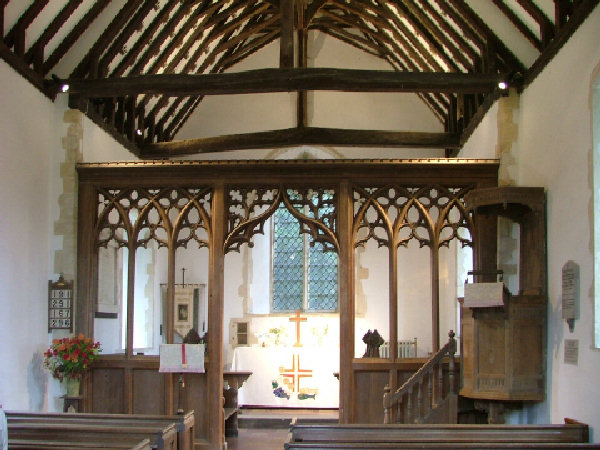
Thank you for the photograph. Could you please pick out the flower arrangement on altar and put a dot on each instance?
(70, 357)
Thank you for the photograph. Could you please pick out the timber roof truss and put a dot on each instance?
(139, 68)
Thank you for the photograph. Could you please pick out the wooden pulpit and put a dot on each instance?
(504, 338)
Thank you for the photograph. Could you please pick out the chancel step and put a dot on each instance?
(282, 417)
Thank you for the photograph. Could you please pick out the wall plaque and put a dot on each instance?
(571, 351)
(60, 305)
(570, 293)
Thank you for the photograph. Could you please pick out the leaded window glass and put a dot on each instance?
(304, 276)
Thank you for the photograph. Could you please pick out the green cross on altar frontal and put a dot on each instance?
(298, 319)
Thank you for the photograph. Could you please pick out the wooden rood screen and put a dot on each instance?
(220, 206)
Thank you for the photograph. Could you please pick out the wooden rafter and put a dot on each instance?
(584, 8)
(454, 58)
(73, 35)
(87, 66)
(546, 26)
(16, 36)
(203, 38)
(117, 45)
(510, 61)
(35, 53)
(518, 23)
(146, 40)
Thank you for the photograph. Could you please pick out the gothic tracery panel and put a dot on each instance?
(171, 216)
(249, 208)
(395, 215)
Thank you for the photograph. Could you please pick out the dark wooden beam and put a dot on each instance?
(579, 14)
(286, 39)
(89, 64)
(518, 23)
(3, 4)
(116, 47)
(16, 36)
(546, 27)
(286, 80)
(37, 49)
(301, 136)
(25, 71)
(151, 36)
(74, 34)
(302, 100)
(562, 11)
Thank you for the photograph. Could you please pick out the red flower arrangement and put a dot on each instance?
(70, 357)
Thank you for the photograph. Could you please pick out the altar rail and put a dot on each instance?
(405, 349)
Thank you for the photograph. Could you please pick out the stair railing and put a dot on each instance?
(428, 383)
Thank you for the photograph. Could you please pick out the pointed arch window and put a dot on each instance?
(304, 276)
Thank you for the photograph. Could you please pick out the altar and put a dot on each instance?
(296, 377)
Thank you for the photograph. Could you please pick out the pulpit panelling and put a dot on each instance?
(504, 347)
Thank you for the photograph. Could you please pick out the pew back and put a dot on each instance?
(322, 445)
(31, 444)
(160, 437)
(184, 424)
(452, 433)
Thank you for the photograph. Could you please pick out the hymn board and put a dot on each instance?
(60, 305)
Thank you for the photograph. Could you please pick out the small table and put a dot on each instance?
(71, 401)
(235, 380)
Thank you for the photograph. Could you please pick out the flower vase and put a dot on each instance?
(73, 387)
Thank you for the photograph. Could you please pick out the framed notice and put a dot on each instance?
(60, 305)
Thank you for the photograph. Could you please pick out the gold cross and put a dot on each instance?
(298, 319)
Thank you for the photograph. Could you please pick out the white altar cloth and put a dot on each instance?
(301, 376)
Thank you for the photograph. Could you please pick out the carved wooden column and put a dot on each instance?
(215, 318)
(346, 302)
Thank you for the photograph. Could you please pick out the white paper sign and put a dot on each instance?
(484, 295)
(181, 358)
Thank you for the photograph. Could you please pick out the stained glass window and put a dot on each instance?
(304, 277)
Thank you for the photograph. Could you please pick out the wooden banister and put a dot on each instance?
(428, 383)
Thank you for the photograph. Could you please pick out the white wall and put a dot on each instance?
(560, 125)
(553, 149)
(29, 126)
(31, 154)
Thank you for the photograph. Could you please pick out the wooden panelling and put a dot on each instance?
(148, 386)
(369, 396)
(108, 391)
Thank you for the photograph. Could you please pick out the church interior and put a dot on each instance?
(386, 212)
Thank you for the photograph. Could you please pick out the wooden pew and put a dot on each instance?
(337, 436)
(33, 444)
(109, 434)
(184, 424)
(435, 446)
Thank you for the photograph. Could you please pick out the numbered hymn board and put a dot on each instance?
(60, 305)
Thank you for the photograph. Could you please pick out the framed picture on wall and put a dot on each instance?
(189, 309)
(184, 309)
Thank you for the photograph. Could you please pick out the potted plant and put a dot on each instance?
(69, 358)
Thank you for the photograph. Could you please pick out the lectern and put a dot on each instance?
(181, 358)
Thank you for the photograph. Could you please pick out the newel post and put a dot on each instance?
(451, 353)
(386, 404)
